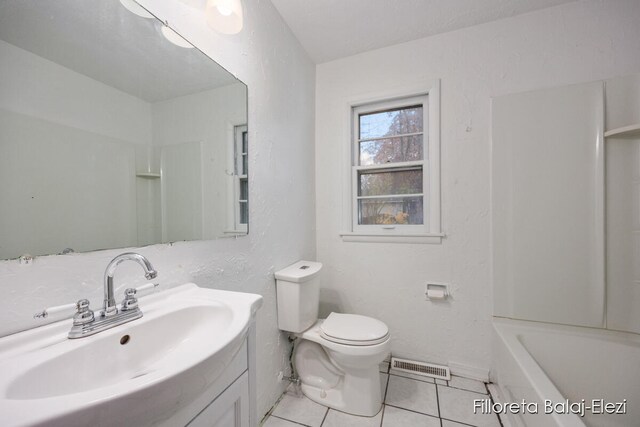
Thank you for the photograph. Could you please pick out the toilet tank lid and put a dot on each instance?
(299, 272)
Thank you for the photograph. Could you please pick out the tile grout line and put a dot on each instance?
(325, 417)
(438, 405)
(486, 385)
(270, 411)
(458, 422)
(384, 400)
(411, 410)
(411, 378)
(471, 391)
(291, 421)
(438, 402)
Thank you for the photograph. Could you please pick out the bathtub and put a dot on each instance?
(556, 366)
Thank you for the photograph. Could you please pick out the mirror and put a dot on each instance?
(114, 132)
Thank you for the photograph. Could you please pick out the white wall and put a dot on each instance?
(576, 42)
(280, 78)
(76, 100)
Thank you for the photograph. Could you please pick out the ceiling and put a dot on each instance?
(332, 29)
(104, 41)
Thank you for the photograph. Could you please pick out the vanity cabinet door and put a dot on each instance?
(230, 409)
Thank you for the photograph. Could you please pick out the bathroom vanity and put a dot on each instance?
(190, 360)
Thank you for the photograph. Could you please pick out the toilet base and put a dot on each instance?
(357, 393)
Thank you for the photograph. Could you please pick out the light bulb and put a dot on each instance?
(197, 4)
(225, 11)
(225, 16)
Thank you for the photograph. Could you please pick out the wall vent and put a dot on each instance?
(421, 368)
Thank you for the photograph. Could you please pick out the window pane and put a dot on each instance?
(391, 210)
(244, 189)
(391, 150)
(381, 183)
(244, 212)
(245, 165)
(391, 122)
(245, 141)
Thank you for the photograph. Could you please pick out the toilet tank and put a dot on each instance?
(298, 295)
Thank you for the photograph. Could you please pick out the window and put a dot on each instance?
(395, 188)
(242, 176)
(240, 181)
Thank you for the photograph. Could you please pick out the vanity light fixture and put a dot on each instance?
(224, 16)
(135, 8)
(198, 4)
(174, 37)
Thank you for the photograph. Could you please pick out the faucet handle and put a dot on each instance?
(50, 311)
(147, 287)
(130, 301)
(83, 315)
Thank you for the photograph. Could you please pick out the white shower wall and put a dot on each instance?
(622, 102)
(47, 134)
(551, 262)
(547, 194)
(576, 42)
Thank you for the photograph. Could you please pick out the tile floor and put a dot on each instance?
(409, 400)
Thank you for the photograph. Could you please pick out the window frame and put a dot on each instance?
(239, 155)
(234, 165)
(430, 230)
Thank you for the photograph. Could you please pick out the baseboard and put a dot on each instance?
(467, 371)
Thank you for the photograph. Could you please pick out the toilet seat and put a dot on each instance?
(353, 329)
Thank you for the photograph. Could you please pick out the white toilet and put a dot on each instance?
(337, 358)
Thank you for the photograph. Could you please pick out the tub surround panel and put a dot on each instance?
(539, 276)
(547, 205)
(280, 78)
(623, 234)
(44, 126)
(576, 42)
(622, 108)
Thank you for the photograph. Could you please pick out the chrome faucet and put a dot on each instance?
(109, 308)
(85, 323)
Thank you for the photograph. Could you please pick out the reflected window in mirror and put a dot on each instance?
(241, 179)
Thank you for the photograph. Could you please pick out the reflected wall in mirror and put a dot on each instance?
(111, 135)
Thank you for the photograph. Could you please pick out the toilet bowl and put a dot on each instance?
(336, 358)
(341, 375)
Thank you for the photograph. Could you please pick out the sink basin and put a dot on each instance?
(182, 344)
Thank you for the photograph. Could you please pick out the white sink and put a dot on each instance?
(153, 365)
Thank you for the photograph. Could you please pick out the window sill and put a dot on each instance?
(431, 238)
